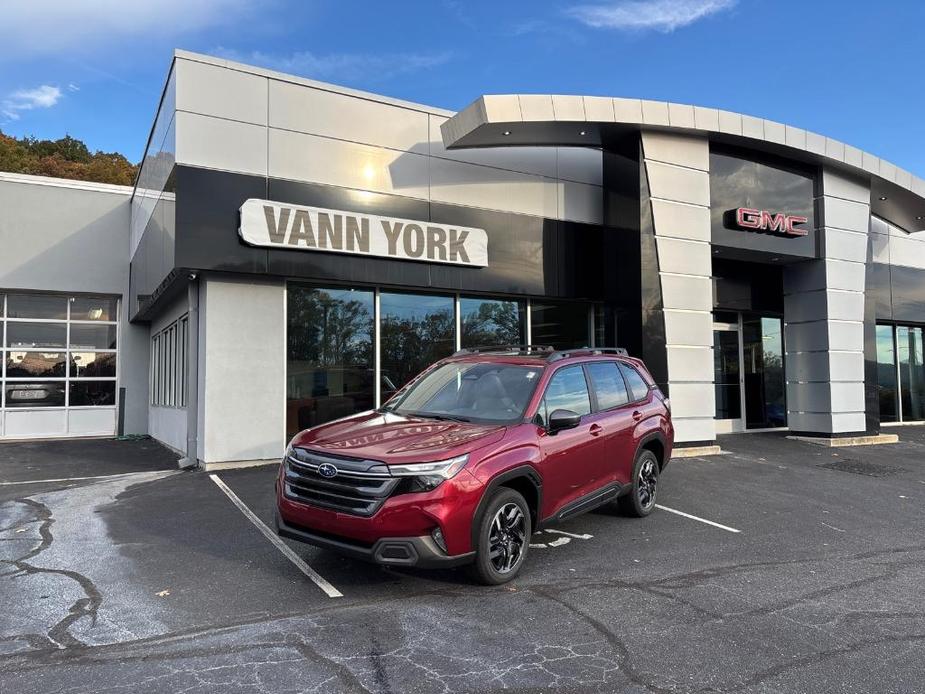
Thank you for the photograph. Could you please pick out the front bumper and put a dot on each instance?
(421, 552)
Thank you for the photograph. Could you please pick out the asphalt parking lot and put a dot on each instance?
(797, 568)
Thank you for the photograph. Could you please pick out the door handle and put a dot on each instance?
(596, 429)
(637, 415)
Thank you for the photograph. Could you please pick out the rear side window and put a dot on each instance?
(639, 389)
(608, 384)
(567, 390)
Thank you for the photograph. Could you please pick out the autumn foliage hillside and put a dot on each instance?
(64, 158)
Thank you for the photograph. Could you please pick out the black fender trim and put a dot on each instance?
(527, 471)
(652, 436)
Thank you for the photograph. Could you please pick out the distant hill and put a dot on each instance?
(64, 158)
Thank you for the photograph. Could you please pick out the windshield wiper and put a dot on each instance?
(440, 416)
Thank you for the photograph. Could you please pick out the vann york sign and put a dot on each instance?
(294, 227)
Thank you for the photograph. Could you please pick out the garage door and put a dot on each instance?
(59, 364)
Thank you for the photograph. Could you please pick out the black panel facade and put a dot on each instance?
(154, 258)
(871, 382)
(773, 195)
(906, 294)
(745, 286)
(528, 255)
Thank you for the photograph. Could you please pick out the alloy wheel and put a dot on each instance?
(507, 537)
(647, 484)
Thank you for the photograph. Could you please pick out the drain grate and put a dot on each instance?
(860, 468)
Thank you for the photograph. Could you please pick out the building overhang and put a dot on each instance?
(596, 121)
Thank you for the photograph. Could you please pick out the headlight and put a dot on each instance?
(427, 476)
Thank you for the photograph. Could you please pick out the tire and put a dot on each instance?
(640, 501)
(503, 538)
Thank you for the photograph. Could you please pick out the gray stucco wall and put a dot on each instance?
(68, 236)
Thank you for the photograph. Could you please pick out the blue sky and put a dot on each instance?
(848, 69)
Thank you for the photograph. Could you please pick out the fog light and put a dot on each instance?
(437, 534)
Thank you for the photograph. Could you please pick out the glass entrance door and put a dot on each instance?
(727, 361)
(763, 366)
(748, 357)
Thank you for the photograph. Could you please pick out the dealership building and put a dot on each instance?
(293, 251)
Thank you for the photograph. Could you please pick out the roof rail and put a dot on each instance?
(516, 349)
(587, 352)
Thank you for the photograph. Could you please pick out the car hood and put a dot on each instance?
(395, 438)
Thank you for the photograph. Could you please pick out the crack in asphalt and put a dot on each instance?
(622, 650)
(59, 635)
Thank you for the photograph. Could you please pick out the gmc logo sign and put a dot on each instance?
(771, 223)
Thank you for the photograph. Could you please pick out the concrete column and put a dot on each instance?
(677, 169)
(242, 370)
(824, 315)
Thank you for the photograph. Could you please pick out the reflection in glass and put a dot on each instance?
(564, 325)
(92, 393)
(93, 336)
(93, 308)
(639, 389)
(886, 373)
(93, 365)
(763, 346)
(36, 306)
(36, 335)
(726, 374)
(609, 386)
(329, 368)
(567, 390)
(35, 364)
(417, 330)
(45, 394)
(486, 322)
(496, 393)
(911, 372)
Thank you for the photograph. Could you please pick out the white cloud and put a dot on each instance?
(36, 27)
(657, 15)
(44, 96)
(340, 66)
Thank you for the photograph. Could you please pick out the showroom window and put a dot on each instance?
(58, 351)
(350, 349)
(485, 322)
(901, 373)
(562, 324)
(417, 330)
(169, 365)
(330, 370)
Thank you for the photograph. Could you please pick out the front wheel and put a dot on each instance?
(503, 538)
(640, 501)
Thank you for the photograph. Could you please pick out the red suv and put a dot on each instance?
(479, 451)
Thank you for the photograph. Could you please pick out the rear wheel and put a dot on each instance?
(503, 538)
(640, 501)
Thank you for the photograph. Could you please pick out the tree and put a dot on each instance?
(66, 157)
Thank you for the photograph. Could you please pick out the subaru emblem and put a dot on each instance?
(327, 470)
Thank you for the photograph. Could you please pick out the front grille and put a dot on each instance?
(360, 487)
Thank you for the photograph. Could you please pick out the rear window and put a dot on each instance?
(608, 384)
(639, 389)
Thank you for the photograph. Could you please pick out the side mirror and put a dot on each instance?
(563, 419)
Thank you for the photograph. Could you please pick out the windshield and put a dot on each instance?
(468, 391)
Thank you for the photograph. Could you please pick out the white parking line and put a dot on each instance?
(79, 479)
(696, 518)
(319, 581)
